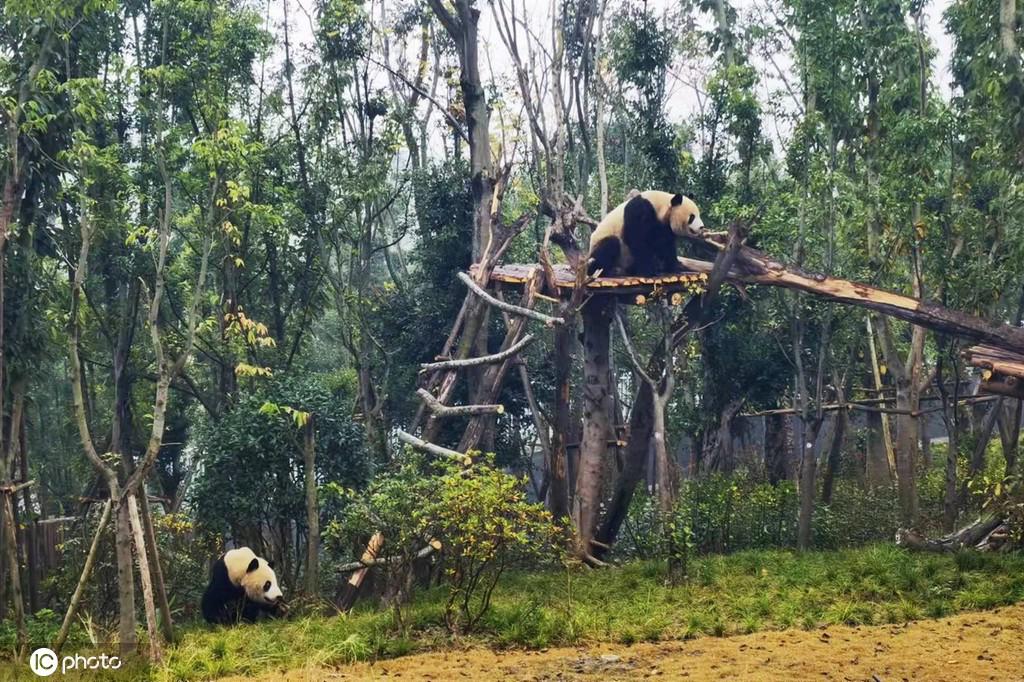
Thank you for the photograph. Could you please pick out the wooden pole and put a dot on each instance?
(597, 407)
(14, 573)
(76, 598)
(155, 653)
(312, 511)
(373, 548)
(876, 372)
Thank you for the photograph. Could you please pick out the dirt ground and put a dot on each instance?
(974, 646)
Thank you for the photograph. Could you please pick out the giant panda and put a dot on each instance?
(638, 237)
(242, 586)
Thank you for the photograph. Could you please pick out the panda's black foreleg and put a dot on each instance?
(604, 256)
(670, 258)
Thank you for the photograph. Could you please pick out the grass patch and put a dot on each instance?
(739, 593)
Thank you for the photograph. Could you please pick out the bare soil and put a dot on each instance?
(973, 646)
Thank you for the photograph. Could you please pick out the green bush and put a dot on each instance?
(479, 517)
(485, 524)
(730, 513)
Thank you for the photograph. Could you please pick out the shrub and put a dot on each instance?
(394, 505)
(479, 517)
(485, 524)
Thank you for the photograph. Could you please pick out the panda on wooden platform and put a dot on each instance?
(638, 237)
(242, 586)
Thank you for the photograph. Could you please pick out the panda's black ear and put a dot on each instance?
(270, 564)
(253, 565)
(677, 199)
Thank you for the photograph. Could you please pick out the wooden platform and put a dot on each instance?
(518, 274)
(1002, 370)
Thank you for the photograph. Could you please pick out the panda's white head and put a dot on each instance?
(684, 216)
(253, 574)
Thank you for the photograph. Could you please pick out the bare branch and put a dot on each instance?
(442, 410)
(482, 360)
(508, 307)
(432, 449)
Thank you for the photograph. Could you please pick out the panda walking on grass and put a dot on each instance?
(242, 586)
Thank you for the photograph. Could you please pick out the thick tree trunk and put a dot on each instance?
(840, 423)
(1008, 27)
(558, 492)
(641, 425)
(907, 438)
(968, 536)
(666, 478)
(988, 425)
(156, 569)
(597, 409)
(1009, 434)
(312, 510)
(31, 524)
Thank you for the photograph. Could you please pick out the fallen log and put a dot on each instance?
(756, 267)
(976, 535)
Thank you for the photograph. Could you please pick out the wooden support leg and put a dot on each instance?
(348, 599)
(76, 598)
(597, 409)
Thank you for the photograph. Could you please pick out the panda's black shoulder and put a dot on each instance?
(639, 208)
(220, 581)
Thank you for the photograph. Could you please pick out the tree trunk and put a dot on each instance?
(125, 578)
(1009, 434)
(597, 408)
(558, 493)
(666, 478)
(1007, 28)
(312, 511)
(808, 474)
(31, 524)
(951, 498)
(641, 425)
(907, 400)
(157, 571)
(777, 448)
(840, 423)
(988, 425)
(139, 539)
(14, 573)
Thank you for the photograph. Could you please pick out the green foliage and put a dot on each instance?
(394, 504)
(478, 517)
(485, 525)
(252, 462)
(720, 513)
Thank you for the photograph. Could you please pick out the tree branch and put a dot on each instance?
(508, 307)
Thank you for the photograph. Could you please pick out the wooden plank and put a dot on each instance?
(519, 273)
(755, 267)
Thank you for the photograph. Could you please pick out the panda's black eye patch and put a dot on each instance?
(690, 221)
(266, 586)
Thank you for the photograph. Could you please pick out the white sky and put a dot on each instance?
(497, 67)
